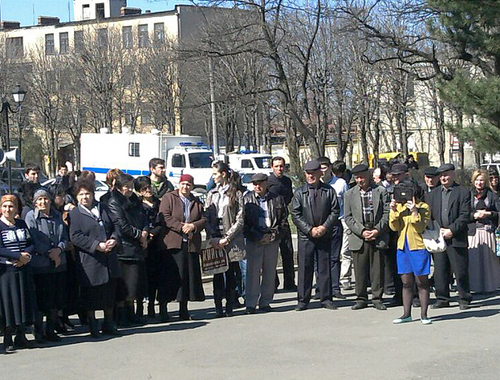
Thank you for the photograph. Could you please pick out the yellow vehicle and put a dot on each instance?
(421, 158)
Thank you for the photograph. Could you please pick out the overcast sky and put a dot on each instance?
(27, 11)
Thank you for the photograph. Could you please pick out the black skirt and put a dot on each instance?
(169, 280)
(51, 293)
(188, 264)
(132, 280)
(99, 297)
(17, 296)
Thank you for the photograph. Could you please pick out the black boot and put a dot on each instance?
(122, 320)
(8, 344)
(93, 328)
(50, 334)
(20, 341)
(219, 312)
(164, 316)
(183, 311)
(151, 309)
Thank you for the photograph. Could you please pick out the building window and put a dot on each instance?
(143, 36)
(15, 47)
(146, 117)
(86, 11)
(78, 40)
(63, 43)
(128, 76)
(99, 11)
(159, 33)
(133, 149)
(49, 44)
(127, 39)
(128, 114)
(102, 37)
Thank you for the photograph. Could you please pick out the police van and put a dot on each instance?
(131, 153)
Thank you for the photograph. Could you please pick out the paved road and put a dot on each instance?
(284, 344)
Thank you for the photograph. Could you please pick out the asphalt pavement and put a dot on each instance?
(283, 344)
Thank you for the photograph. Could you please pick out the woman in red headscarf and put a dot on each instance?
(183, 215)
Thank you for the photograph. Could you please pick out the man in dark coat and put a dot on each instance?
(450, 206)
(315, 212)
(265, 223)
(280, 184)
(366, 213)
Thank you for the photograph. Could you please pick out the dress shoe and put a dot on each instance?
(185, 316)
(237, 304)
(229, 313)
(51, 336)
(416, 302)
(398, 321)
(94, 328)
(250, 310)
(426, 321)
(328, 305)
(339, 295)
(301, 306)
(109, 329)
(20, 341)
(219, 313)
(316, 296)
(464, 305)
(390, 292)
(440, 304)
(379, 305)
(265, 309)
(9, 349)
(395, 302)
(359, 305)
(67, 323)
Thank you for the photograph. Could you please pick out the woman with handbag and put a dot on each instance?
(484, 265)
(183, 216)
(225, 219)
(414, 261)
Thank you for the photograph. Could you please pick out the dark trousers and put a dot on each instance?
(369, 265)
(335, 264)
(286, 249)
(458, 260)
(225, 286)
(392, 280)
(308, 249)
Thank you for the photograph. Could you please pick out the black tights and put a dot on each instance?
(408, 280)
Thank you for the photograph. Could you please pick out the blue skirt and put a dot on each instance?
(417, 261)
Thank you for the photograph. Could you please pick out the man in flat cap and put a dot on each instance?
(450, 206)
(315, 212)
(265, 223)
(366, 213)
(431, 178)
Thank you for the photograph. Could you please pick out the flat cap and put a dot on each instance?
(312, 166)
(259, 177)
(445, 168)
(431, 171)
(360, 168)
(399, 168)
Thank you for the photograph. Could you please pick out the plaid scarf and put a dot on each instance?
(367, 206)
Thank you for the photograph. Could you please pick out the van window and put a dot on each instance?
(133, 149)
(178, 161)
(201, 160)
(263, 162)
(246, 164)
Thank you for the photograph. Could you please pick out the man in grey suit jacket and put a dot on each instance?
(366, 213)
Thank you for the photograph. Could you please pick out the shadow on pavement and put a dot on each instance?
(467, 314)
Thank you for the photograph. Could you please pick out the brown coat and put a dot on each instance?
(172, 211)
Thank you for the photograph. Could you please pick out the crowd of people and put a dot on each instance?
(64, 253)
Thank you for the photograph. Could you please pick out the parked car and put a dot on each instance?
(17, 176)
(100, 187)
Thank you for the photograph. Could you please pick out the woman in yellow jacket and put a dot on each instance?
(414, 261)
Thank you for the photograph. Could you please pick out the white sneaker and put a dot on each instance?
(426, 321)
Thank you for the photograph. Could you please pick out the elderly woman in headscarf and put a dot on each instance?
(49, 262)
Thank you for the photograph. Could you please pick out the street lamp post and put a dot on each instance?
(18, 95)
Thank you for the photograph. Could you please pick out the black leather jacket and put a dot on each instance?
(302, 211)
(129, 218)
(277, 212)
